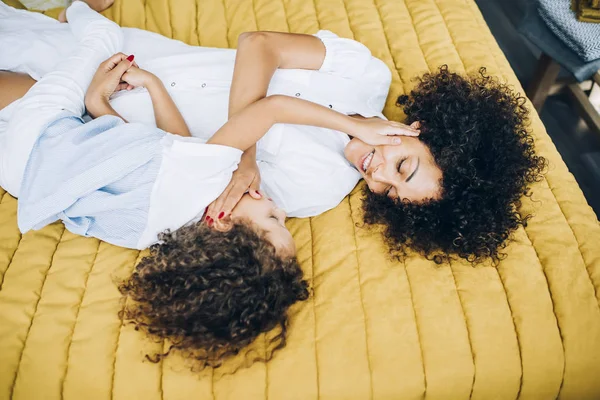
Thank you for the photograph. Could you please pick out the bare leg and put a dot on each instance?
(96, 5)
(14, 86)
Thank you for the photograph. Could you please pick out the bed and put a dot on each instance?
(374, 328)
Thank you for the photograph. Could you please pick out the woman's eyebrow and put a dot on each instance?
(415, 171)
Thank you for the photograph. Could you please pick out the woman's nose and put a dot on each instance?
(380, 175)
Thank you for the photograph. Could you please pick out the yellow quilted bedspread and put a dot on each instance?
(374, 327)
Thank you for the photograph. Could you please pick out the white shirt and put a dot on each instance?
(123, 183)
(302, 168)
(191, 176)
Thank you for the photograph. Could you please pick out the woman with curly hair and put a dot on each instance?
(456, 189)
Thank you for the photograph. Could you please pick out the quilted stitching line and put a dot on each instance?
(387, 43)
(266, 368)
(197, 24)
(412, 23)
(450, 34)
(546, 180)
(12, 256)
(562, 344)
(212, 383)
(122, 322)
(362, 302)
(145, 13)
(316, 14)
(170, 14)
(462, 308)
(87, 278)
(162, 373)
(412, 300)
(313, 301)
(120, 12)
(348, 18)
(12, 388)
(512, 317)
(287, 22)
(112, 391)
(226, 23)
(255, 16)
(585, 264)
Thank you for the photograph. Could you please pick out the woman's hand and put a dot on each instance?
(106, 81)
(376, 131)
(137, 77)
(245, 179)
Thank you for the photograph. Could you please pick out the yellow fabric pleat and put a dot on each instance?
(374, 327)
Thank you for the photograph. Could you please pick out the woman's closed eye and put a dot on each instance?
(401, 163)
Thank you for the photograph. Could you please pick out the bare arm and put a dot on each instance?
(245, 128)
(260, 54)
(167, 115)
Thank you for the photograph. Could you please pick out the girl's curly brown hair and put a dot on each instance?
(211, 293)
(476, 130)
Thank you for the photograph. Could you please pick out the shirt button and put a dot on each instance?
(204, 85)
(297, 94)
(172, 84)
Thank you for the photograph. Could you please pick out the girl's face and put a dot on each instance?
(403, 171)
(268, 217)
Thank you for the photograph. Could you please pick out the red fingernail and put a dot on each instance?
(221, 215)
(210, 222)
(130, 58)
(207, 218)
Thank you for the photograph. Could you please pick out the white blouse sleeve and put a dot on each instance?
(192, 175)
(344, 57)
(353, 60)
(86, 23)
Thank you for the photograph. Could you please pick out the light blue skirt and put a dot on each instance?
(96, 177)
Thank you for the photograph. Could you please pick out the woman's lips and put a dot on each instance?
(364, 164)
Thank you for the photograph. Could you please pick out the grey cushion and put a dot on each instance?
(581, 37)
(537, 32)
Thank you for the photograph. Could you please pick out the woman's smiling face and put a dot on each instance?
(403, 171)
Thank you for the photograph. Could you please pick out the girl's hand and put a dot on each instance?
(246, 178)
(376, 131)
(137, 77)
(106, 81)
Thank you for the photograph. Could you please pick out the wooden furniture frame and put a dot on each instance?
(545, 83)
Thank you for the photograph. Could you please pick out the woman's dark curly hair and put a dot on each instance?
(211, 293)
(476, 130)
